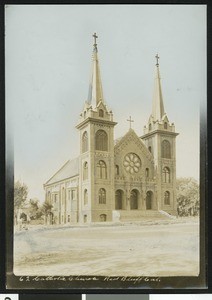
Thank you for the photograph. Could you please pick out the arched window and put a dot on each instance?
(85, 142)
(102, 196)
(118, 199)
(166, 175)
(165, 125)
(166, 149)
(149, 200)
(103, 218)
(85, 217)
(101, 140)
(117, 170)
(102, 170)
(147, 173)
(150, 126)
(85, 170)
(167, 198)
(85, 196)
(150, 149)
(101, 113)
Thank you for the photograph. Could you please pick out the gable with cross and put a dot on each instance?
(131, 121)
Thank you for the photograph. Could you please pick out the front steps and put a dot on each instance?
(142, 215)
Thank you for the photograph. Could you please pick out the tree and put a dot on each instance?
(46, 208)
(20, 194)
(187, 196)
(33, 208)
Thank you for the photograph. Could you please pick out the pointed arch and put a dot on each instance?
(150, 127)
(147, 173)
(85, 196)
(102, 196)
(134, 195)
(166, 175)
(102, 170)
(149, 200)
(167, 198)
(85, 170)
(119, 199)
(117, 170)
(150, 149)
(85, 142)
(101, 139)
(166, 149)
(101, 113)
(103, 218)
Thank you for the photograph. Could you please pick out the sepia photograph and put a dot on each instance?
(103, 106)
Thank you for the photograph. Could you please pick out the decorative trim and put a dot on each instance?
(132, 138)
(94, 121)
(165, 132)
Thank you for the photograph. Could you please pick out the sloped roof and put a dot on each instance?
(117, 140)
(131, 133)
(69, 169)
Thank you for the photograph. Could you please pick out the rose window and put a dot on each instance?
(132, 163)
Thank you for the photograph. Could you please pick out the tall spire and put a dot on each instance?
(158, 107)
(95, 94)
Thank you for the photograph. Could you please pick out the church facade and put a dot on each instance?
(116, 180)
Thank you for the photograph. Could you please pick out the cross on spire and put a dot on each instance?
(131, 121)
(95, 37)
(157, 59)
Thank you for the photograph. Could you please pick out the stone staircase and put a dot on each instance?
(142, 215)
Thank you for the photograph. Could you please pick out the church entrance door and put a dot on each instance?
(134, 199)
(118, 199)
(149, 197)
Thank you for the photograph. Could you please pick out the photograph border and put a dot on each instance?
(84, 283)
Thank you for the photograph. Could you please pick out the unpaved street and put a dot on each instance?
(129, 250)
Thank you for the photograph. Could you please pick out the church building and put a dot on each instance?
(126, 179)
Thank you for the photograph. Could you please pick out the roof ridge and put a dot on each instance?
(66, 163)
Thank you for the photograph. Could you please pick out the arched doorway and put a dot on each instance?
(134, 199)
(149, 199)
(119, 199)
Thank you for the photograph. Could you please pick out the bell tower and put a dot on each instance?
(160, 138)
(96, 130)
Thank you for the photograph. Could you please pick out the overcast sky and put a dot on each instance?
(48, 65)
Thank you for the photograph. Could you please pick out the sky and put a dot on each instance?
(48, 56)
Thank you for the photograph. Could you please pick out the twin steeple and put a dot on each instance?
(95, 94)
(96, 97)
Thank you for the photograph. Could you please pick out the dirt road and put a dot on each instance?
(127, 250)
